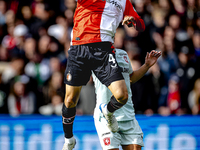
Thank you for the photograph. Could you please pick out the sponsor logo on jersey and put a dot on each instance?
(106, 141)
(115, 3)
(106, 133)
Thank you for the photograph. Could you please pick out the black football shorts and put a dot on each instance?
(97, 57)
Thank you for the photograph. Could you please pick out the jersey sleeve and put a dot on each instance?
(130, 11)
(130, 67)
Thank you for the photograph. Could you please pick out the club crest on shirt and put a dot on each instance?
(69, 76)
(106, 141)
(126, 59)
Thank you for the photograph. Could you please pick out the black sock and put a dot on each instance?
(113, 105)
(68, 115)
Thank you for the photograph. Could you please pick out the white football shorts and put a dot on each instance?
(129, 133)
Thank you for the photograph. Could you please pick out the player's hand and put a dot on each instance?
(151, 58)
(128, 20)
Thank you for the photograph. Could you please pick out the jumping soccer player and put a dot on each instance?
(95, 24)
(129, 135)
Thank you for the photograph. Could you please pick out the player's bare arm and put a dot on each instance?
(150, 59)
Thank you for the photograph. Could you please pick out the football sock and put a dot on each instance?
(113, 105)
(68, 115)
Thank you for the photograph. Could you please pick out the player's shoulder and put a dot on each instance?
(121, 56)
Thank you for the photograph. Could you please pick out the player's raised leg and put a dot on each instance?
(119, 90)
(112, 77)
(68, 115)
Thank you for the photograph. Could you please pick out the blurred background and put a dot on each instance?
(34, 43)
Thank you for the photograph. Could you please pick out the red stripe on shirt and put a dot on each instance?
(87, 30)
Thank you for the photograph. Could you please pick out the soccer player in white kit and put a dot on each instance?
(129, 135)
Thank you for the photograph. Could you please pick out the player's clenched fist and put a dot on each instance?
(129, 21)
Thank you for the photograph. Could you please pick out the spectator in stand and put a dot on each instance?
(155, 80)
(53, 86)
(38, 66)
(3, 9)
(15, 68)
(181, 36)
(70, 6)
(157, 25)
(169, 46)
(197, 21)
(168, 62)
(4, 90)
(196, 44)
(27, 16)
(54, 107)
(42, 20)
(191, 10)
(9, 42)
(29, 48)
(55, 65)
(20, 33)
(172, 102)
(14, 41)
(166, 6)
(20, 99)
(10, 17)
(179, 9)
(186, 73)
(3, 54)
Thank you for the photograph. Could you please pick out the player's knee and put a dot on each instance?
(70, 102)
(137, 147)
(124, 99)
(122, 96)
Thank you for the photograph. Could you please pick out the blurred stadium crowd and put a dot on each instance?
(35, 38)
